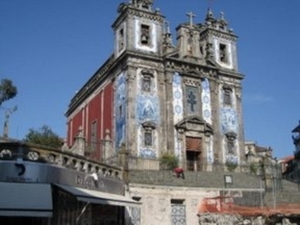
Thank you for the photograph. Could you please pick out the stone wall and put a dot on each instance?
(215, 179)
(158, 201)
(162, 194)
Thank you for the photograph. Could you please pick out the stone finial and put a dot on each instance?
(209, 15)
(64, 147)
(222, 19)
(142, 4)
(79, 144)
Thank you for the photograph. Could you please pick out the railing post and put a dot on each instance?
(123, 157)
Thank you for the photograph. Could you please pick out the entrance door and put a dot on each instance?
(193, 161)
(193, 153)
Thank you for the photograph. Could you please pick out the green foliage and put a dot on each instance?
(168, 161)
(43, 136)
(231, 166)
(7, 90)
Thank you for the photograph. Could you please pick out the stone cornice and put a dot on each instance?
(90, 85)
(224, 35)
(190, 69)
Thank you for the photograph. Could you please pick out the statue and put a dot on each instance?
(8, 112)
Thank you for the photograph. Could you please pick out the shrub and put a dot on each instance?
(231, 166)
(168, 161)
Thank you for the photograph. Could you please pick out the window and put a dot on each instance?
(192, 99)
(121, 40)
(93, 144)
(223, 53)
(146, 84)
(230, 146)
(231, 137)
(227, 95)
(148, 133)
(147, 77)
(148, 138)
(178, 214)
(145, 34)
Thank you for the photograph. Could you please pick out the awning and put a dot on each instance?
(97, 197)
(25, 199)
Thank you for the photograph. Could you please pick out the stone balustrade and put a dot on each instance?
(41, 154)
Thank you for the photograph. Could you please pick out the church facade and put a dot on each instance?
(154, 96)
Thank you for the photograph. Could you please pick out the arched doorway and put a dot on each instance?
(192, 133)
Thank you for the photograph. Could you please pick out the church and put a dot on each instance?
(160, 93)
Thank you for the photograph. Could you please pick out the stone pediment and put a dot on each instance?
(194, 123)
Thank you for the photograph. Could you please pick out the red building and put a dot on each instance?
(90, 112)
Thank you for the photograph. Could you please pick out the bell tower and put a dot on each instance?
(220, 41)
(138, 27)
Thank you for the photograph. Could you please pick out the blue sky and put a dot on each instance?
(50, 48)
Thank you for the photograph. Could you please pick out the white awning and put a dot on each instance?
(25, 199)
(97, 197)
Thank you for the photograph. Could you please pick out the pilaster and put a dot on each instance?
(131, 131)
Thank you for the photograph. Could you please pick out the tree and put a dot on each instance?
(43, 136)
(7, 90)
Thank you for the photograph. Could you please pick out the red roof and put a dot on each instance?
(287, 159)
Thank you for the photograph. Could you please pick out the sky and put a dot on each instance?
(49, 49)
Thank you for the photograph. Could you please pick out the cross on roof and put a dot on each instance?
(191, 16)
